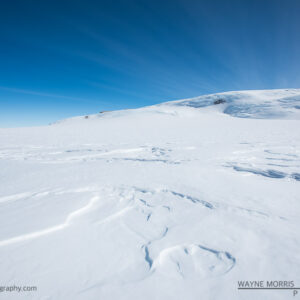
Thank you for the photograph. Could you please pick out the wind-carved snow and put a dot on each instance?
(173, 201)
(70, 218)
(188, 261)
(277, 163)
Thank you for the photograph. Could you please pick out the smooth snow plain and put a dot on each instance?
(179, 200)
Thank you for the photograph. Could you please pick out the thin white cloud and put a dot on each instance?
(50, 95)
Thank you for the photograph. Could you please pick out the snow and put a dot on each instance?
(173, 201)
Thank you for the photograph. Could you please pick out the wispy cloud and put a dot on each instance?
(49, 95)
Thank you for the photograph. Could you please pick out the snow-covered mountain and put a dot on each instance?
(179, 200)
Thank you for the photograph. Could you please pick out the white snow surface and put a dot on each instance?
(179, 200)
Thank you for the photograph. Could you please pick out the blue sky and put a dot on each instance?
(64, 58)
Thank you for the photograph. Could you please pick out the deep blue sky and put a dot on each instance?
(65, 58)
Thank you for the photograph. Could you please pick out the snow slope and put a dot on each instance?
(173, 201)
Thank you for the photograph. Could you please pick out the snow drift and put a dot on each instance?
(179, 200)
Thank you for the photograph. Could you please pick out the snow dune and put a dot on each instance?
(173, 201)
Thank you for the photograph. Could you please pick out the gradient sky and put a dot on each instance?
(65, 58)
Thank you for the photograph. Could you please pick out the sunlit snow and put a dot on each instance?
(173, 201)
